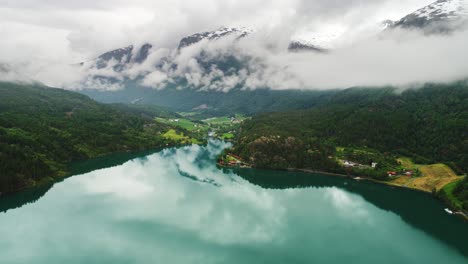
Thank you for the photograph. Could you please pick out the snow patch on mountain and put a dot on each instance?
(328, 37)
(448, 8)
(438, 17)
(214, 35)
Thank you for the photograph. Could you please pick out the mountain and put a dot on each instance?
(183, 79)
(428, 124)
(217, 103)
(120, 58)
(213, 35)
(184, 87)
(438, 17)
(131, 54)
(298, 46)
(44, 129)
(442, 16)
(372, 125)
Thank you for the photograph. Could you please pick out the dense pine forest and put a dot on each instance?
(428, 125)
(43, 129)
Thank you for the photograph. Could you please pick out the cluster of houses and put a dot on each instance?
(232, 160)
(403, 173)
(351, 164)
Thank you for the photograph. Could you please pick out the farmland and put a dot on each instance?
(433, 177)
(179, 137)
(222, 127)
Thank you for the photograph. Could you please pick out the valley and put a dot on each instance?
(234, 132)
(310, 139)
(222, 127)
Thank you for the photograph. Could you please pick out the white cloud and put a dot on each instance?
(154, 79)
(46, 37)
(398, 58)
(92, 27)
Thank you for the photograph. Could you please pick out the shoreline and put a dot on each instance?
(71, 170)
(457, 212)
(51, 180)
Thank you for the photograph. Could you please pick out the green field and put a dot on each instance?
(218, 120)
(174, 136)
(184, 123)
(187, 114)
(227, 136)
(224, 120)
(222, 126)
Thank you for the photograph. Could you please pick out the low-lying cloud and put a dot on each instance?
(395, 58)
(363, 57)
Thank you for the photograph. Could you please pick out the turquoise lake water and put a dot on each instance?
(176, 206)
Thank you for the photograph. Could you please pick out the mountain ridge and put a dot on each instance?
(441, 16)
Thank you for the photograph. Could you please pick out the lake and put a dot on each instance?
(176, 206)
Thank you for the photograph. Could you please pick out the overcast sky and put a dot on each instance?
(75, 30)
(44, 35)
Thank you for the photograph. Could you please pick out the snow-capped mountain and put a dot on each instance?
(440, 16)
(127, 54)
(324, 39)
(120, 57)
(214, 35)
(201, 67)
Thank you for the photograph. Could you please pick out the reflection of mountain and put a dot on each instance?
(32, 195)
(416, 208)
(197, 179)
(22, 198)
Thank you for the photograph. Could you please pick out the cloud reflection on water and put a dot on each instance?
(146, 211)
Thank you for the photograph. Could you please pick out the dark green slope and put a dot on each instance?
(216, 103)
(149, 111)
(43, 129)
(429, 124)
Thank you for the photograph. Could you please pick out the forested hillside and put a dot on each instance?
(213, 103)
(428, 124)
(43, 129)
